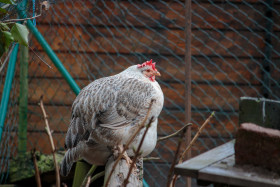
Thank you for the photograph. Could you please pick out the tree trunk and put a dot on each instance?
(121, 171)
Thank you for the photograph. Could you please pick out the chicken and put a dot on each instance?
(108, 111)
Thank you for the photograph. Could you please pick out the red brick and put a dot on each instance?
(259, 146)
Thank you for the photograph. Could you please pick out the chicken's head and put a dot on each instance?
(149, 70)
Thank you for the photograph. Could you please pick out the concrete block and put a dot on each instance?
(258, 146)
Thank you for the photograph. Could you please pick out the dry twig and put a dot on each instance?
(88, 182)
(37, 172)
(137, 152)
(170, 173)
(44, 3)
(174, 178)
(6, 59)
(128, 144)
(150, 158)
(41, 104)
(174, 134)
(40, 57)
(195, 137)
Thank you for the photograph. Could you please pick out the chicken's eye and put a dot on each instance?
(148, 70)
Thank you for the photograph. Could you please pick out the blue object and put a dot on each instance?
(7, 88)
(145, 184)
(34, 20)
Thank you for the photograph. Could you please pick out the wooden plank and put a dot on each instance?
(154, 14)
(193, 166)
(86, 66)
(225, 172)
(142, 40)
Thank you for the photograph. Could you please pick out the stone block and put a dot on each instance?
(258, 146)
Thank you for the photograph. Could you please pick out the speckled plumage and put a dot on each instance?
(107, 112)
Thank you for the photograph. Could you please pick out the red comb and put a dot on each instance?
(147, 63)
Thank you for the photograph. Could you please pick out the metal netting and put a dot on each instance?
(235, 52)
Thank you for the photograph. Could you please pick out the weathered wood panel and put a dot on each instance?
(89, 66)
(122, 40)
(155, 14)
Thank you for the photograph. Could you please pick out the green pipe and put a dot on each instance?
(50, 53)
(53, 57)
(7, 88)
(145, 184)
(23, 100)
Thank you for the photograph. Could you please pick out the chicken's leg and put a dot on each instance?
(118, 150)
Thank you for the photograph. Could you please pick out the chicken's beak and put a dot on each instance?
(157, 73)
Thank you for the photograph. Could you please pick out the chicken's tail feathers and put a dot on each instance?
(70, 157)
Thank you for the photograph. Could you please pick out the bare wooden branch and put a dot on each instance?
(150, 158)
(195, 137)
(40, 57)
(171, 170)
(128, 144)
(88, 182)
(44, 3)
(10, 21)
(41, 104)
(174, 134)
(6, 59)
(174, 178)
(137, 153)
(37, 172)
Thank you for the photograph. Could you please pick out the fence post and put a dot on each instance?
(23, 100)
(188, 75)
(7, 88)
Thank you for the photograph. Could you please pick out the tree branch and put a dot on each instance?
(137, 152)
(174, 178)
(150, 158)
(174, 134)
(171, 170)
(41, 104)
(37, 172)
(128, 144)
(44, 3)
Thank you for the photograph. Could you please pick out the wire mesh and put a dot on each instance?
(235, 52)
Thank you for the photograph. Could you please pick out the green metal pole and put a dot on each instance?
(50, 53)
(53, 57)
(7, 88)
(23, 100)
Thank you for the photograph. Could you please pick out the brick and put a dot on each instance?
(258, 146)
